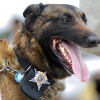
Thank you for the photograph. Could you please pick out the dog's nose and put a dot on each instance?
(93, 40)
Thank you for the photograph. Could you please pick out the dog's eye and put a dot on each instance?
(84, 18)
(65, 20)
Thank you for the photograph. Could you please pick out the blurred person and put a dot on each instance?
(88, 92)
(15, 27)
(97, 81)
(91, 91)
(92, 10)
(11, 28)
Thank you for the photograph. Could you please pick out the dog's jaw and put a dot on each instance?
(68, 55)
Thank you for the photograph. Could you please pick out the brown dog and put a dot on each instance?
(46, 42)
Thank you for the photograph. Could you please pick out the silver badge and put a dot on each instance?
(40, 78)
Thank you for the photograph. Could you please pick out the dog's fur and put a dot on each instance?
(33, 42)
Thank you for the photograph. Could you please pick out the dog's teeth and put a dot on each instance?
(63, 50)
(67, 57)
(64, 53)
(54, 44)
(69, 60)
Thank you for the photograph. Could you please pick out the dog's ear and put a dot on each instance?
(31, 13)
(34, 9)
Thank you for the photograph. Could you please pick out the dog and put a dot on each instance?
(45, 48)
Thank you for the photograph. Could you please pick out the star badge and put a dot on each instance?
(40, 78)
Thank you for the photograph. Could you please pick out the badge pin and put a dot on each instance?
(40, 78)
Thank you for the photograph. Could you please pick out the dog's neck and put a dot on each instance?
(30, 50)
(10, 56)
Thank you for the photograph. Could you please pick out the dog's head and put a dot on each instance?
(48, 37)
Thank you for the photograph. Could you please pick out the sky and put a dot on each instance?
(10, 7)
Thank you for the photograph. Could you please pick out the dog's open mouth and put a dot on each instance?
(70, 58)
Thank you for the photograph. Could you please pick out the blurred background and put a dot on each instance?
(11, 16)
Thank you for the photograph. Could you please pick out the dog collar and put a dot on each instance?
(34, 82)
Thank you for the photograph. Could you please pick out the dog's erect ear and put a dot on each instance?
(31, 13)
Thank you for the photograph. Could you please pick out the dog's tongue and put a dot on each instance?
(79, 67)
